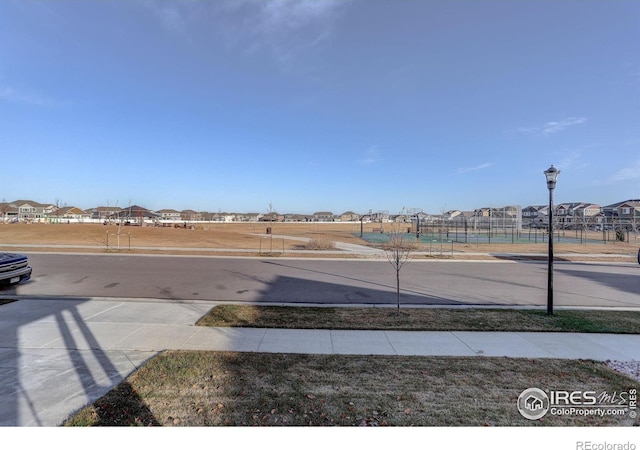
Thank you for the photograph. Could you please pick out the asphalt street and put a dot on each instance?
(274, 280)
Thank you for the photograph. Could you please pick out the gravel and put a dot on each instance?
(629, 368)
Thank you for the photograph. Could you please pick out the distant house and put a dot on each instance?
(625, 214)
(380, 216)
(295, 218)
(482, 212)
(221, 217)
(535, 216)
(452, 214)
(531, 213)
(190, 215)
(245, 217)
(349, 216)
(586, 214)
(71, 213)
(271, 217)
(565, 212)
(33, 211)
(509, 216)
(424, 217)
(136, 214)
(323, 216)
(103, 213)
(8, 212)
(628, 209)
(169, 214)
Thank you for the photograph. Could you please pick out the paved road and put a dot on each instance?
(330, 281)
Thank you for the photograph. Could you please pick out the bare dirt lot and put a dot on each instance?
(248, 238)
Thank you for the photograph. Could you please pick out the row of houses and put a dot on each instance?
(565, 214)
(31, 211)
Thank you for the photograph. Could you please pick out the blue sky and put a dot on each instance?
(319, 105)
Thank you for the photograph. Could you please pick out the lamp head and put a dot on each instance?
(552, 175)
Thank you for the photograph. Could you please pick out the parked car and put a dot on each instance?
(14, 269)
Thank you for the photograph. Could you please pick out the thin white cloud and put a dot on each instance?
(282, 27)
(573, 159)
(288, 14)
(12, 95)
(631, 173)
(553, 126)
(473, 169)
(370, 156)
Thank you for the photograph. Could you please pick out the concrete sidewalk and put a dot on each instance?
(58, 355)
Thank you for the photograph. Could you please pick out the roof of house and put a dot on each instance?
(70, 210)
(617, 205)
(30, 202)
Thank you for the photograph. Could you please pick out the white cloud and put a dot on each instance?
(12, 95)
(370, 156)
(553, 126)
(631, 173)
(283, 27)
(573, 159)
(288, 14)
(473, 169)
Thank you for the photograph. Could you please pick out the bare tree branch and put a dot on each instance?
(398, 251)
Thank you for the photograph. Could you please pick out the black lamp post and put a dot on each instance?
(552, 175)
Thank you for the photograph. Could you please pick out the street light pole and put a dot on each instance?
(552, 175)
(361, 219)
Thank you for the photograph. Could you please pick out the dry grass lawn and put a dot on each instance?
(252, 236)
(182, 388)
(422, 319)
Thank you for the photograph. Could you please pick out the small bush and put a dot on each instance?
(319, 244)
(620, 235)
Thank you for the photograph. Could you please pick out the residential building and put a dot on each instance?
(33, 211)
(8, 212)
(531, 214)
(169, 214)
(136, 214)
(252, 217)
(70, 213)
(271, 217)
(295, 218)
(349, 216)
(103, 213)
(628, 209)
(190, 215)
(323, 216)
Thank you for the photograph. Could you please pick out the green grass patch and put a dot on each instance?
(423, 319)
(179, 388)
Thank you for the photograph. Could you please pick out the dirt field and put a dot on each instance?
(243, 237)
